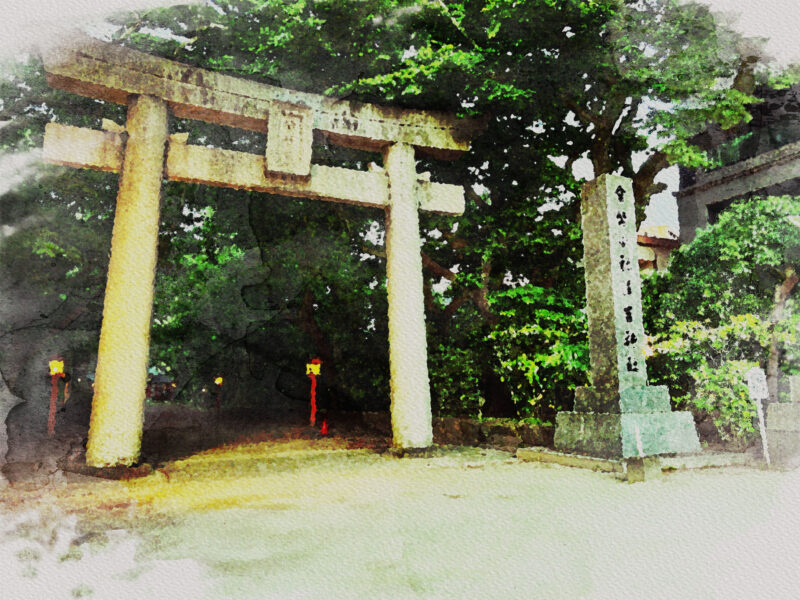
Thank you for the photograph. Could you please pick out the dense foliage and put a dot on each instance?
(249, 283)
(727, 302)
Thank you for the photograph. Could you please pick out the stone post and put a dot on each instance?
(620, 416)
(408, 358)
(115, 430)
(783, 427)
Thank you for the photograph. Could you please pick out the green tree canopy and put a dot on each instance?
(745, 264)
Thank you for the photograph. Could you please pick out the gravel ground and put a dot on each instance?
(300, 518)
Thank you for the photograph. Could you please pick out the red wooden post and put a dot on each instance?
(56, 371)
(313, 399)
(312, 370)
(218, 400)
(51, 417)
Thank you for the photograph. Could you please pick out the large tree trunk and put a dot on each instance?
(782, 293)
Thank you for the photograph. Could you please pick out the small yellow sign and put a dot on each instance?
(218, 381)
(313, 368)
(56, 367)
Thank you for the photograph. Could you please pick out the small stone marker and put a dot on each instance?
(757, 387)
(783, 427)
(620, 415)
(757, 384)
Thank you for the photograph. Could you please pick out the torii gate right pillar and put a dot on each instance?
(408, 356)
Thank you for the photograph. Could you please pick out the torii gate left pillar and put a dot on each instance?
(115, 433)
(150, 86)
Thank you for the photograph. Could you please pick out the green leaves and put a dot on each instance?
(417, 73)
(715, 307)
(731, 267)
(278, 279)
(722, 393)
(705, 368)
(540, 342)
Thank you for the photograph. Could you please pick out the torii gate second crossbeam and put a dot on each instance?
(152, 87)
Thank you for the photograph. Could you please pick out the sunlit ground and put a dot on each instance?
(243, 476)
(314, 519)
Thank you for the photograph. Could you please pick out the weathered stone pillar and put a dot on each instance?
(620, 416)
(408, 357)
(115, 432)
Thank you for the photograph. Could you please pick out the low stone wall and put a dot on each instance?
(783, 425)
(504, 434)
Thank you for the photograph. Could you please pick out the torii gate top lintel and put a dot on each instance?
(112, 73)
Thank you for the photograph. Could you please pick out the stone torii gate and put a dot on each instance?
(144, 153)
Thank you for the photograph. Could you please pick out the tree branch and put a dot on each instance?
(782, 293)
(480, 296)
(585, 116)
(643, 180)
(471, 195)
(457, 303)
(436, 268)
(373, 251)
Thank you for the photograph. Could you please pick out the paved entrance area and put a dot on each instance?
(318, 519)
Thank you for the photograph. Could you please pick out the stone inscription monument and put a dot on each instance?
(144, 153)
(619, 416)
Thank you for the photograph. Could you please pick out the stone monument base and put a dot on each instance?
(644, 427)
(783, 433)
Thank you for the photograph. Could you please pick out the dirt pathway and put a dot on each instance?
(313, 519)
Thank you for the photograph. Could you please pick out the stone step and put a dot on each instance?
(626, 435)
(640, 469)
